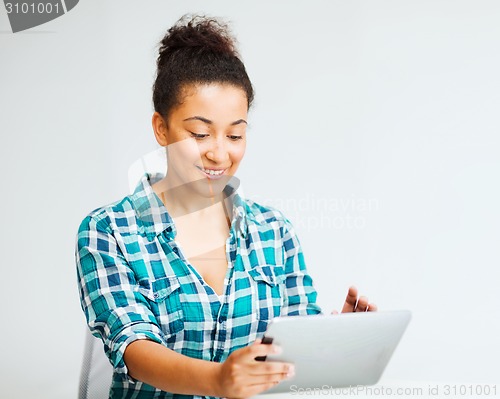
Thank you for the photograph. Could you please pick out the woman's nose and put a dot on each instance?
(217, 153)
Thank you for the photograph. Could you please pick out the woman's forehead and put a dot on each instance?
(213, 103)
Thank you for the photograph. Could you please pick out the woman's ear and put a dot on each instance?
(160, 129)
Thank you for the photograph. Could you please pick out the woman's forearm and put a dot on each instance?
(165, 369)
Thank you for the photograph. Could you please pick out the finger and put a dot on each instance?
(271, 368)
(372, 307)
(252, 351)
(362, 305)
(254, 390)
(263, 383)
(256, 384)
(334, 311)
(265, 378)
(351, 299)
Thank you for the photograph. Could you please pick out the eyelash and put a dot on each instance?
(202, 136)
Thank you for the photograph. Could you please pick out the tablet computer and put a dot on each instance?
(334, 351)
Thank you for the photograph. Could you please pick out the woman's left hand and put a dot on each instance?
(355, 304)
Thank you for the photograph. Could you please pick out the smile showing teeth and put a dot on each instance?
(213, 172)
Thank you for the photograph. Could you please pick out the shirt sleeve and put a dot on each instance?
(114, 308)
(300, 294)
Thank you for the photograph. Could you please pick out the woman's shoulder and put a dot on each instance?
(109, 216)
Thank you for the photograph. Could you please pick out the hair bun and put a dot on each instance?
(198, 34)
(196, 50)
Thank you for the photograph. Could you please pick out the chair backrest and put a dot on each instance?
(97, 372)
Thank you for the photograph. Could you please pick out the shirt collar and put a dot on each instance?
(155, 219)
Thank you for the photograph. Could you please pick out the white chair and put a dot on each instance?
(97, 372)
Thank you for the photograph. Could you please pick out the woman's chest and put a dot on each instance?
(207, 256)
(248, 271)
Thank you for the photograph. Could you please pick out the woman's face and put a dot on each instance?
(205, 137)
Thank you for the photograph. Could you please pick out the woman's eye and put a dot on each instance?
(235, 137)
(198, 136)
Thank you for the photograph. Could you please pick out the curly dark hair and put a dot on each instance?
(196, 50)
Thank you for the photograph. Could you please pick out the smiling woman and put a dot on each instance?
(181, 278)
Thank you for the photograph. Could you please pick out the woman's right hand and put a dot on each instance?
(241, 376)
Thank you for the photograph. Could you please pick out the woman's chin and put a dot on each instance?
(210, 188)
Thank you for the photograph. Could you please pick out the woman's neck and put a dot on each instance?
(182, 200)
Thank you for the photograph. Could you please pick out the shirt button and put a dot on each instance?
(176, 250)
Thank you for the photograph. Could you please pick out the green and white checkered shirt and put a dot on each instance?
(134, 282)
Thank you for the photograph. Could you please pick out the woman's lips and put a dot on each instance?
(213, 176)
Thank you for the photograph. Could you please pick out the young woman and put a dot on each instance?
(181, 278)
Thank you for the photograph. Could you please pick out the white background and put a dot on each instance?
(387, 111)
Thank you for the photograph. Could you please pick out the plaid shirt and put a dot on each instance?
(135, 283)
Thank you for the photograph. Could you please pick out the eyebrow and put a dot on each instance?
(209, 122)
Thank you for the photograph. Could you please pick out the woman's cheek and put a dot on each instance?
(239, 152)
